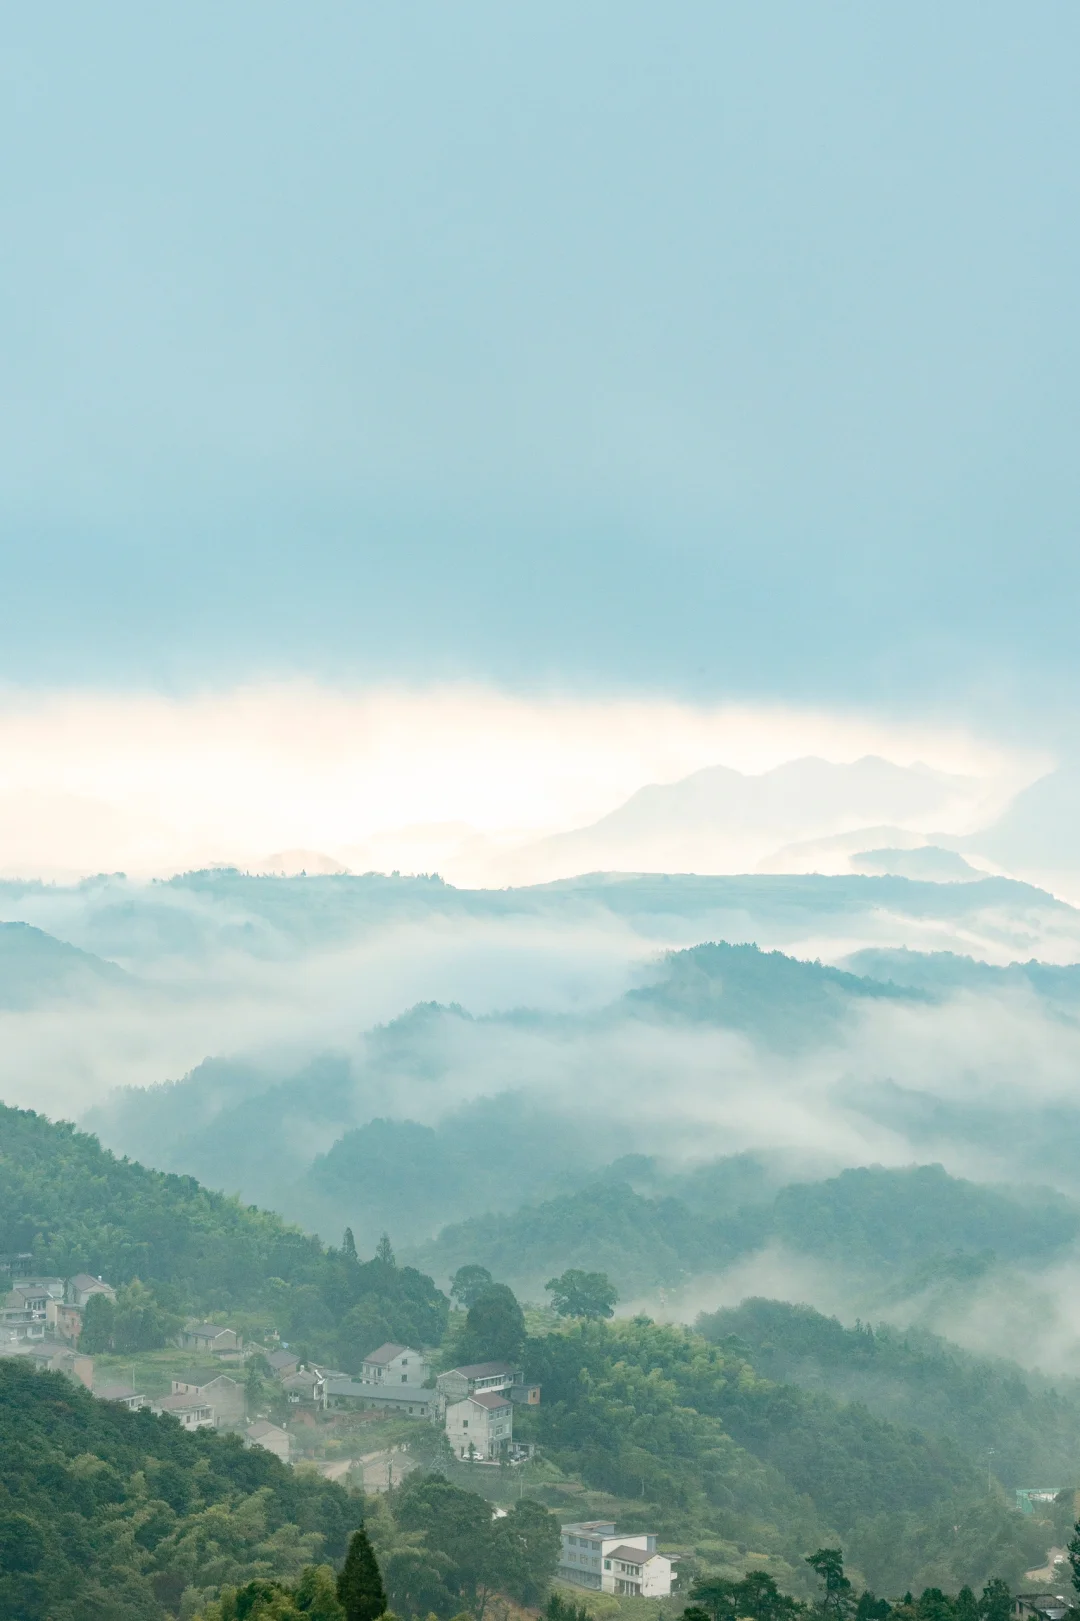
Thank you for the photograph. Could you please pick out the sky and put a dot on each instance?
(448, 777)
(707, 353)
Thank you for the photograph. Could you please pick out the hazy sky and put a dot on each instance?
(710, 349)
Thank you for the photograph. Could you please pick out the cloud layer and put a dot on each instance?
(448, 778)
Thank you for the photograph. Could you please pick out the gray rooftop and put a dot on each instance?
(387, 1353)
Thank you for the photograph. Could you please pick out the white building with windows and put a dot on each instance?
(594, 1555)
(481, 1426)
(395, 1365)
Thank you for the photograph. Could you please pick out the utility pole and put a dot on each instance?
(989, 1474)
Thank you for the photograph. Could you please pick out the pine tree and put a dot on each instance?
(383, 1252)
(348, 1244)
(359, 1587)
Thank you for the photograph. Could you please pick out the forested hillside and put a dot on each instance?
(730, 1460)
(886, 1226)
(696, 1438)
(914, 1379)
(108, 1515)
(77, 1207)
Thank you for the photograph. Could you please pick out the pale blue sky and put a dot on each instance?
(699, 348)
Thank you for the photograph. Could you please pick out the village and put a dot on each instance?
(367, 1430)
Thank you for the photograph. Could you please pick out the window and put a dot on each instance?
(607, 1564)
(464, 1423)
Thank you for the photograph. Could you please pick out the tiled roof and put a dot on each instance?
(484, 1370)
(200, 1376)
(387, 1353)
(179, 1402)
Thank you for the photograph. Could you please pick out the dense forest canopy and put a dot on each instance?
(109, 1515)
(77, 1207)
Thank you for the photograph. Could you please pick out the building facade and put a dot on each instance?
(593, 1555)
(218, 1390)
(395, 1365)
(409, 1401)
(211, 1338)
(193, 1412)
(481, 1426)
(271, 1438)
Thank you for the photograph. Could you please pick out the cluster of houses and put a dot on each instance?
(474, 1404)
(42, 1318)
(40, 1311)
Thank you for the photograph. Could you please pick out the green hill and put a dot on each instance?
(77, 1207)
(915, 1379)
(887, 1226)
(702, 1448)
(35, 968)
(107, 1515)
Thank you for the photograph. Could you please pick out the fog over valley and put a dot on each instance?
(539, 813)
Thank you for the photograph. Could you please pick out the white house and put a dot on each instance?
(24, 1314)
(270, 1437)
(218, 1390)
(481, 1426)
(457, 1383)
(594, 1555)
(83, 1285)
(123, 1394)
(193, 1411)
(395, 1365)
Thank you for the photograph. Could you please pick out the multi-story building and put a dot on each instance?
(395, 1365)
(214, 1389)
(594, 1555)
(482, 1425)
(192, 1411)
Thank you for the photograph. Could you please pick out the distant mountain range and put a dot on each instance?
(813, 815)
(720, 820)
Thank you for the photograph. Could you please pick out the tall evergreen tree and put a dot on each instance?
(359, 1588)
(348, 1244)
(383, 1252)
(829, 1564)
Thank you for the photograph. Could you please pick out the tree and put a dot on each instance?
(140, 1323)
(582, 1294)
(716, 1596)
(316, 1595)
(383, 1252)
(758, 1597)
(469, 1282)
(995, 1600)
(348, 1244)
(494, 1327)
(359, 1586)
(836, 1600)
(99, 1317)
(559, 1608)
(526, 1545)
